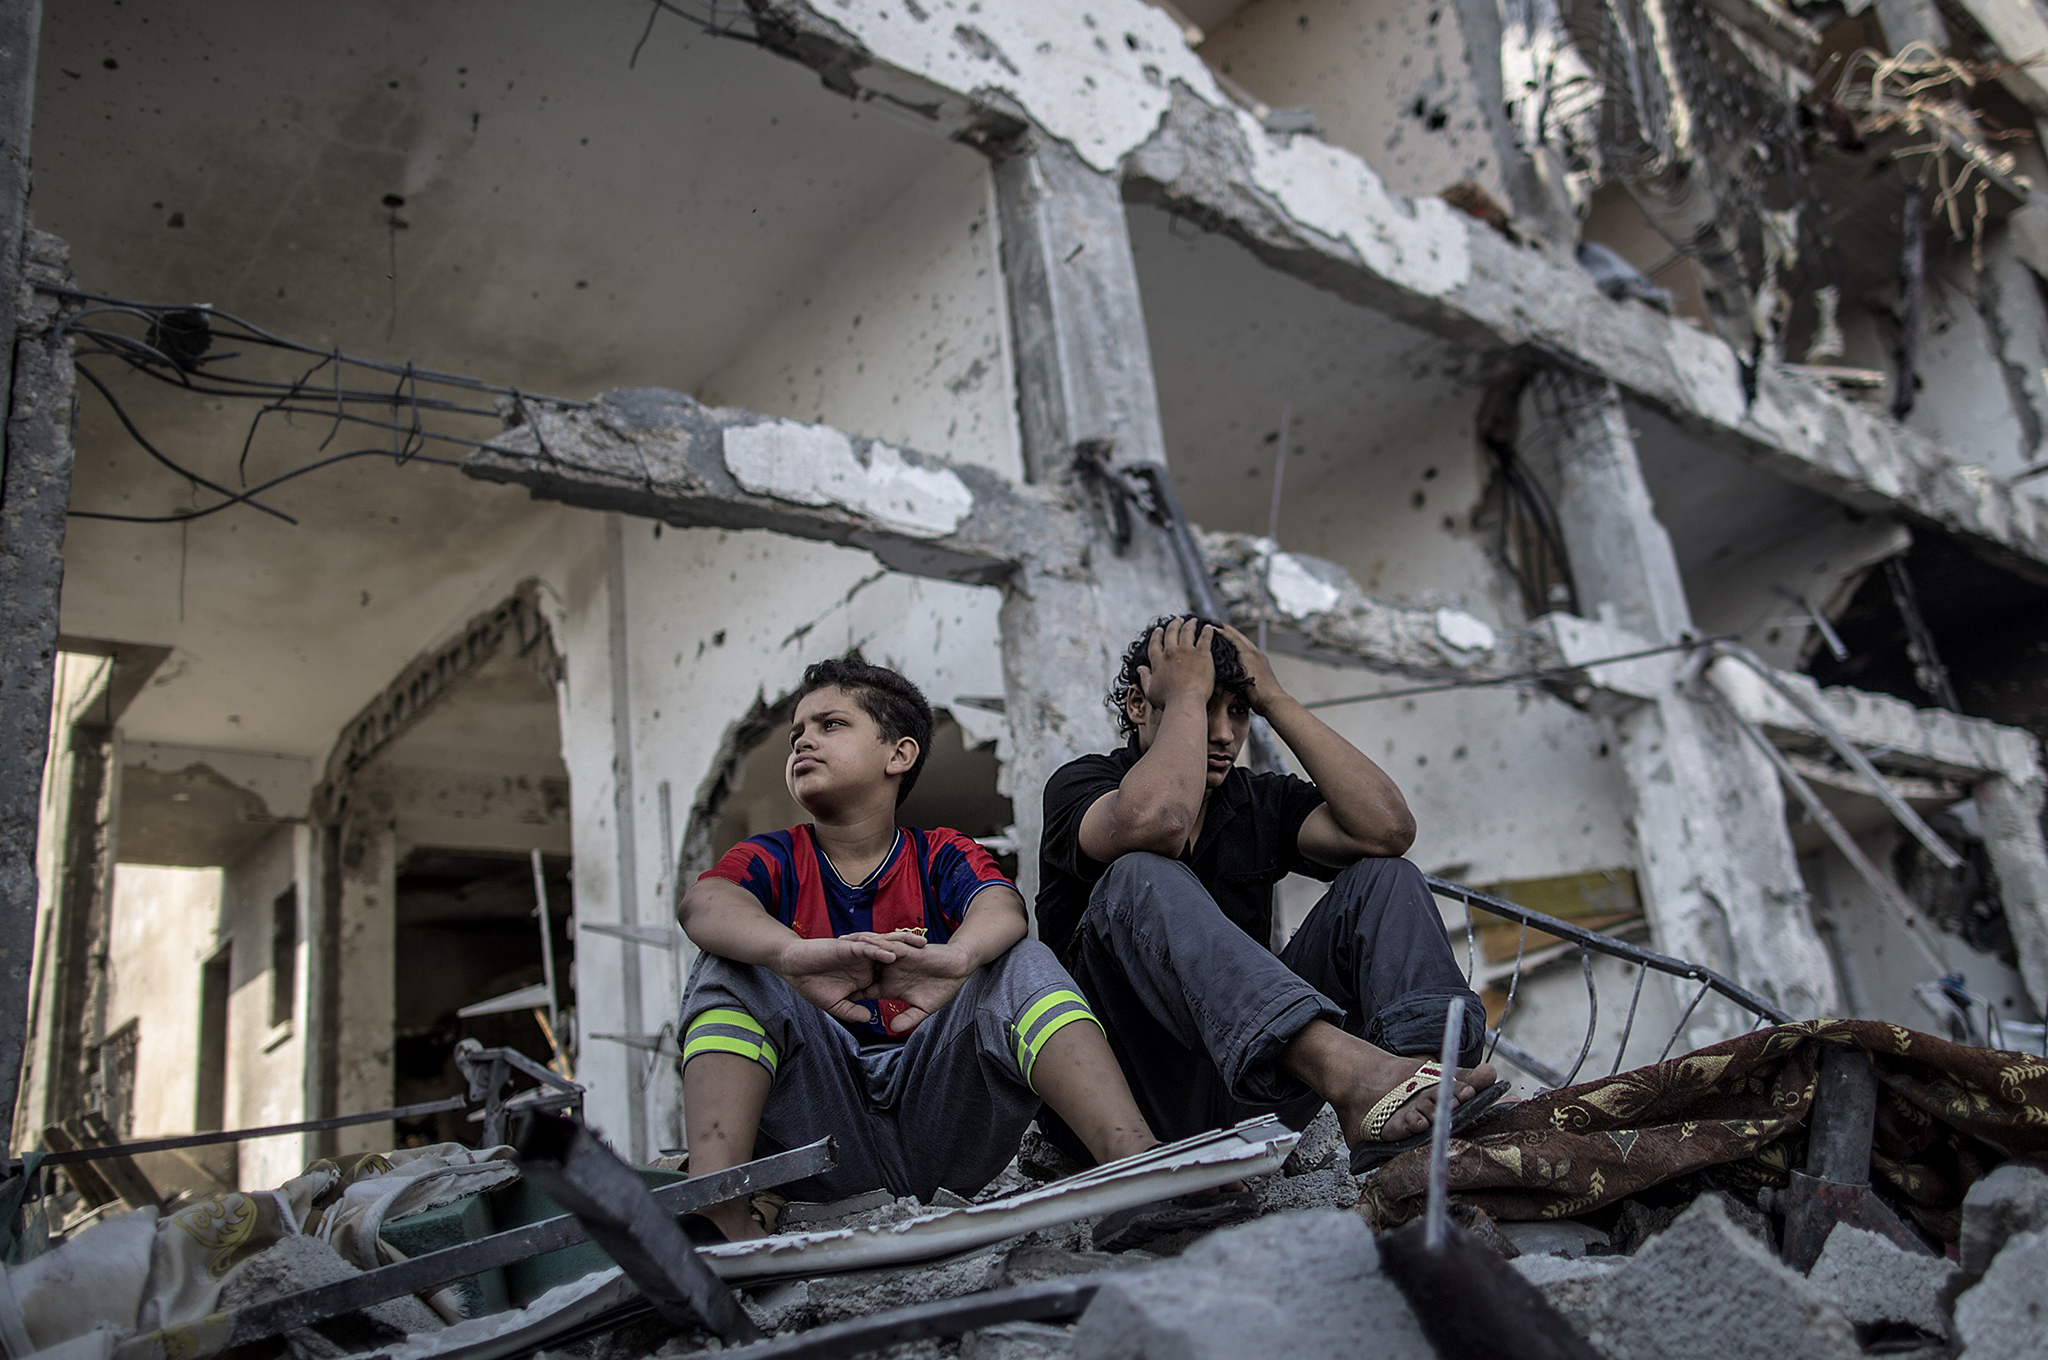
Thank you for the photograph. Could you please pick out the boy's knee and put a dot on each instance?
(1142, 884)
(1399, 875)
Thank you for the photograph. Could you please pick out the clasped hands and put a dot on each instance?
(836, 975)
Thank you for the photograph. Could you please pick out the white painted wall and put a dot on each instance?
(266, 1063)
(164, 923)
(902, 334)
(1503, 784)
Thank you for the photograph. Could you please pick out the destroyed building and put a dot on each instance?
(439, 437)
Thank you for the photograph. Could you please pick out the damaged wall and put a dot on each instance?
(900, 334)
(1388, 80)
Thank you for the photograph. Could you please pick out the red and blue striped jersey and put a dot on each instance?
(925, 884)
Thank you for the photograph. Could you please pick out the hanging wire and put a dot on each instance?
(204, 352)
(1515, 677)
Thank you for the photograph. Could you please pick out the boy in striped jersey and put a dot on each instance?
(873, 982)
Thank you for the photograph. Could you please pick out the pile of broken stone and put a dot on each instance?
(1304, 1281)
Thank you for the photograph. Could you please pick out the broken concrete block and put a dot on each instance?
(300, 1262)
(834, 1297)
(2013, 1199)
(1565, 1237)
(1705, 1289)
(1218, 1299)
(872, 1206)
(1032, 1262)
(1018, 1341)
(1571, 1285)
(1327, 1189)
(2004, 1316)
(1321, 1145)
(1871, 1281)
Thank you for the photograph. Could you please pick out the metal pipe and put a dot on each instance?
(547, 955)
(1944, 854)
(187, 1140)
(1438, 1214)
(568, 1163)
(1607, 944)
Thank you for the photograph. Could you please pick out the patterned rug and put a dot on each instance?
(1736, 1112)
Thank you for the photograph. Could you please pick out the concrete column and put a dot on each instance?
(2019, 327)
(2011, 813)
(35, 491)
(1575, 433)
(72, 982)
(1720, 879)
(1084, 378)
(1084, 365)
(365, 966)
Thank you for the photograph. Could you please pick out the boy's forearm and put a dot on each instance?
(995, 921)
(1169, 780)
(1362, 798)
(739, 931)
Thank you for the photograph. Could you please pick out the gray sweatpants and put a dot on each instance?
(1197, 1011)
(945, 1107)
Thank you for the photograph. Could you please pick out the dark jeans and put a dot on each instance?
(1197, 1011)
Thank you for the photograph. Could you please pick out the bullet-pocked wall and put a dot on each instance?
(1384, 474)
(1394, 82)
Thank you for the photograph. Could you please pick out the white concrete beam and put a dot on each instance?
(661, 455)
(1314, 609)
(1077, 324)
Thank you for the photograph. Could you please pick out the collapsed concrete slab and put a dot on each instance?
(1873, 1283)
(2005, 1316)
(1704, 1289)
(1216, 1300)
(2010, 1201)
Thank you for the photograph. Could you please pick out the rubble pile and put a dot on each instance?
(1305, 1278)
(1305, 1281)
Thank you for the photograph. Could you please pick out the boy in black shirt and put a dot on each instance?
(1157, 868)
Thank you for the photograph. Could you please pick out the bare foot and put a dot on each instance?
(1380, 1074)
(1353, 1075)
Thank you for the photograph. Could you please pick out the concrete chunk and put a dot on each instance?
(1571, 1285)
(1872, 1281)
(1218, 1299)
(1565, 1237)
(1018, 1341)
(2013, 1199)
(1704, 1289)
(2005, 1315)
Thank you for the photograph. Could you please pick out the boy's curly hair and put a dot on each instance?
(1230, 672)
(898, 707)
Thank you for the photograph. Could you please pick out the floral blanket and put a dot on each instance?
(1946, 1115)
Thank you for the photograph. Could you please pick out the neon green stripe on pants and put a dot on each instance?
(1044, 1018)
(760, 1051)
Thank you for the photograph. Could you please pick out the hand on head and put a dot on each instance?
(1178, 663)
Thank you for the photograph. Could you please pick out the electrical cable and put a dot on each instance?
(1542, 673)
(182, 349)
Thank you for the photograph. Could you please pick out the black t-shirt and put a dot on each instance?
(1247, 844)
